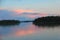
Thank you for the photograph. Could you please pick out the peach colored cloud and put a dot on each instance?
(38, 15)
(31, 16)
(21, 10)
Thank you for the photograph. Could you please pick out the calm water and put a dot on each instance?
(28, 31)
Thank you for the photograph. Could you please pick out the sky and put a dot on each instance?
(42, 6)
(30, 8)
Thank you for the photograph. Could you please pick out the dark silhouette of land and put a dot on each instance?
(9, 22)
(42, 21)
(47, 21)
(26, 21)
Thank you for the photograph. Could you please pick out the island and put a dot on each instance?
(9, 22)
(47, 21)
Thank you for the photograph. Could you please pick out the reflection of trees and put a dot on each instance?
(47, 21)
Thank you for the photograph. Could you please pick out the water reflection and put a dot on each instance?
(46, 26)
(28, 31)
(25, 30)
(19, 30)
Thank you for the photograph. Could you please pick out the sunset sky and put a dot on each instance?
(31, 8)
(42, 6)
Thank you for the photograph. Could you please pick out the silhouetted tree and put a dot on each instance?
(47, 21)
(9, 22)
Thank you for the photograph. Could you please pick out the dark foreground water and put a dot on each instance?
(28, 31)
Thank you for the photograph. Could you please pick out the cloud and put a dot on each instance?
(29, 13)
(9, 14)
(24, 15)
(21, 11)
(35, 15)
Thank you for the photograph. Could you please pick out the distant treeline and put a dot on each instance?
(47, 21)
(9, 22)
(42, 21)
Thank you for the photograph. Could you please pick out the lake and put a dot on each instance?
(29, 31)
